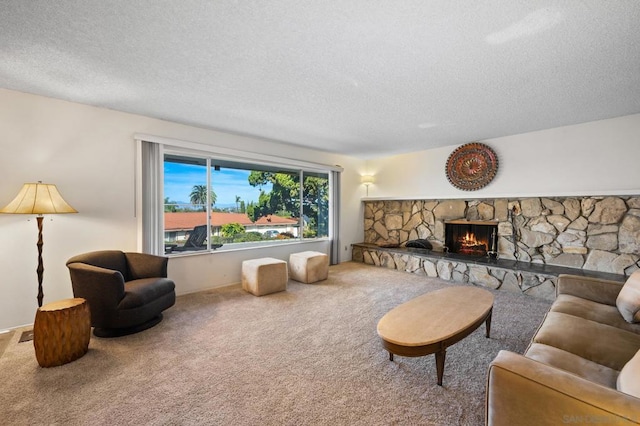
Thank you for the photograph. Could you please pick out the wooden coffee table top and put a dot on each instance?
(435, 316)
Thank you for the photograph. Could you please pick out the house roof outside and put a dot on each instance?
(178, 221)
(272, 219)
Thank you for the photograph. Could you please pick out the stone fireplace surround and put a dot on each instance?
(588, 235)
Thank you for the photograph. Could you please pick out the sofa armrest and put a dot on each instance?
(143, 265)
(521, 391)
(594, 289)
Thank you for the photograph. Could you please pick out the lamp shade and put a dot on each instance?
(366, 179)
(38, 198)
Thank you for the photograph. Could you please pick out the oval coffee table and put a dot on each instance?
(430, 323)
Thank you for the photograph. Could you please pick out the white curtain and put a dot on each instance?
(334, 257)
(152, 204)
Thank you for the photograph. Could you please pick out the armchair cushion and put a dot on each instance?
(146, 290)
(628, 301)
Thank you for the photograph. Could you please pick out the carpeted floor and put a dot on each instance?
(307, 356)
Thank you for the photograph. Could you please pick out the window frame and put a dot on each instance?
(155, 243)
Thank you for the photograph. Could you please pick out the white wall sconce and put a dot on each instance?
(367, 180)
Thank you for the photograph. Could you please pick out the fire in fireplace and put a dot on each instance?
(472, 238)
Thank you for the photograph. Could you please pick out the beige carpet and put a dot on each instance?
(308, 356)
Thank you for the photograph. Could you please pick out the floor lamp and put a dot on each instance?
(39, 199)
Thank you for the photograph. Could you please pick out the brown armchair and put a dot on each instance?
(126, 292)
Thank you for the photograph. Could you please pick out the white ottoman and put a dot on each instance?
(264, 276)
(308, 266)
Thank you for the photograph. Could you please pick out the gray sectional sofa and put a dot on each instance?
(583, 364)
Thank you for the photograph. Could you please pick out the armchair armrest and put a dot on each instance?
(594, 289)
(526, 392)
(102, 288)
(143, 265)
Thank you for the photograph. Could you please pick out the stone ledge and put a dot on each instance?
(522, 277)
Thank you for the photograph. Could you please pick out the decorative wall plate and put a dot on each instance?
(472, 166)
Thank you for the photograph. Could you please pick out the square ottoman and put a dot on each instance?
(308, 266)
(264, 276)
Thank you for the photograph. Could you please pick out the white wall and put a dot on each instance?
(89, 153)
(596, 158)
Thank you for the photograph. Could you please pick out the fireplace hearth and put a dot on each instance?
(471, 238)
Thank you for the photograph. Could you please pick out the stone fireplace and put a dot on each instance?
(592, 233)
(471, 238)
(535, 239)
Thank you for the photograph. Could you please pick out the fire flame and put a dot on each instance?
(469, 239)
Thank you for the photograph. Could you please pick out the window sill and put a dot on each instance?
(248, 246)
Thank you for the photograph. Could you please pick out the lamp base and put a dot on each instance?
(26, 336)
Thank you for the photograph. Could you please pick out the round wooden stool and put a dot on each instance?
(61, 332)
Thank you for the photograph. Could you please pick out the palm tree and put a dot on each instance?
(198, 196)
(237, 203)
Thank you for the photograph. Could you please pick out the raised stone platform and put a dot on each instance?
(535, 279)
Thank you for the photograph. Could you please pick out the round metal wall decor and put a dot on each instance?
(472, 166)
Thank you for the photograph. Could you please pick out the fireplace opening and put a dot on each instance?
(471, 238)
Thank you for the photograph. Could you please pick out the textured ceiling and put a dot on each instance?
(361, 77)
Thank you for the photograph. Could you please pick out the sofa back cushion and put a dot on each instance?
(628, 301)
(628, 379)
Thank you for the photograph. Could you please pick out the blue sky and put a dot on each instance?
(179, 180)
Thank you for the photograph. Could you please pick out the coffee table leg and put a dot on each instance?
(488, 323)
(390, 356)
(440, 356)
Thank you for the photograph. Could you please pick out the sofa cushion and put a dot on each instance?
(629, 377)
(572, 363)
(628, 301)
(587, 309)
(600, 343)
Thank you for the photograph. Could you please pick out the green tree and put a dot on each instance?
(250, 210)
(170, 206)
(229, 230)
(237, 203)
(284, 199)
(315, 205)
(198, 196)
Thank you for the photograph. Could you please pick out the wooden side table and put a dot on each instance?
(61, 332)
